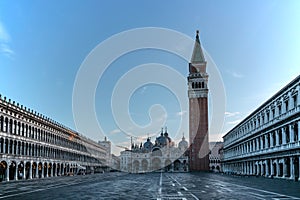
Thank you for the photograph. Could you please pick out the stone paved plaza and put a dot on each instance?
(152, 186)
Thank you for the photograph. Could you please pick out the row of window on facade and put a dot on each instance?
(14, 147)
(17, 128)
(270, 113)
(283, 135)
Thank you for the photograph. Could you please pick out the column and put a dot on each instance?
(257, 143)
(277, 137)
(266, 141)
(42, 170)
(17, 148)
(267, 168)
(3, 147)
(292, 167)
(37, 170)
(47, 170)
(271, 139)
(24, 170)
(272, 168)
(30, 171)
(7, 171)
(16, 172)
(283, 135)
(8, 147)
(51, 170)
(12, 148)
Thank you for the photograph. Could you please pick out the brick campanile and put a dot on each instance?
(198, 110)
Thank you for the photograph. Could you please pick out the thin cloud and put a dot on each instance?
(236, 74)
(231, 114)
(234, 122)
(4, 40)
(115, 131)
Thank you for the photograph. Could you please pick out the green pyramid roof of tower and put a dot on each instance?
(197, 56)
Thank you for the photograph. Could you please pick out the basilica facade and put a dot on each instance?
(160, 155)
(267, 142)
(35, 146)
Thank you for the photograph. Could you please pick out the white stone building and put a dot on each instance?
(34, 146)
(267, 142)
(162, 155)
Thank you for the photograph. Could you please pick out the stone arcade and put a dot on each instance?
(34, 146)
(267, 142)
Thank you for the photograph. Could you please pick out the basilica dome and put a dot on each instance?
(183, 144)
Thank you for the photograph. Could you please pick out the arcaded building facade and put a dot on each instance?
(34, 146)
(267, 142)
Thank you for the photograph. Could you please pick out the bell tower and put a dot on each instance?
(198, 110)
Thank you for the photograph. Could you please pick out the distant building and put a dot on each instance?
(162, 154)
(267, 142)
(108, 156)
(215, 156)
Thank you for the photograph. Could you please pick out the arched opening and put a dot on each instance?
(21, 170)
(177, 165)
(34, 170)
(296, 167)
(3, 168)
(27, 170)
(280, 169)
(156, 164)
(136, 165)
(156, 152)
(58, 169)
(45, 169)
(288, 167)
(40, 170)
(49, 169)
(274, 169)
(54, 169)
(144, 165)
(168, 165)
(12, 170)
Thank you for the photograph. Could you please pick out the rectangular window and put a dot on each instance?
(286, 105)
(295, 100)
(279, 109)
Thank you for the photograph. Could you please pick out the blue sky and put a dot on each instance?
(255, 45)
